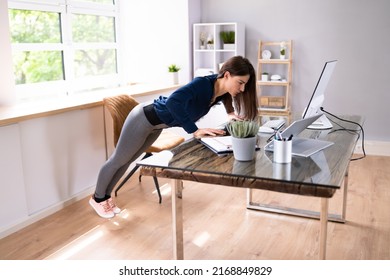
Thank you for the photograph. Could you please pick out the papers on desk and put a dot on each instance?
(219, 144)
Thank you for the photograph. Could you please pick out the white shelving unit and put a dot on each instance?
(207, 58)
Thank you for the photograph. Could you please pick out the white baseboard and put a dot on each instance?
(375, 148)
(44, 213)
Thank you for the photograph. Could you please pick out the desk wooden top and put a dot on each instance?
(319, 175)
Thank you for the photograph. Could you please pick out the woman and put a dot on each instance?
(234, 86)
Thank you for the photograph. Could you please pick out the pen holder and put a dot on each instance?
(282, 150)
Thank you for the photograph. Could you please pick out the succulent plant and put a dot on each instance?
(227, 37)
(173, 68)
(243, 129)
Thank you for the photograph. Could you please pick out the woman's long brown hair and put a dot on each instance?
(245, 103)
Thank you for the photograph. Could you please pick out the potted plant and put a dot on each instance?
(210, 43)
(282, 50)
(228, 38)
(244, 138)
(264, 76)
(173, 69)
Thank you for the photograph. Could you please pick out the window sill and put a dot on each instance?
(29, 110)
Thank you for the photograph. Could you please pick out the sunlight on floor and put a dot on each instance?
(201, 239)
(125, 214)
(77, 245)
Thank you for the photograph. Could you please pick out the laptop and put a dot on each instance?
(303, 147)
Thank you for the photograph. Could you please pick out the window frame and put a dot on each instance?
(69, 85)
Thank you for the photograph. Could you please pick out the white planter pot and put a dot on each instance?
(175, 77)
(244, 148)
(282, 56)
(229, 46)
(264, 78)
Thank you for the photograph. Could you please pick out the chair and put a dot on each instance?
(119, 107)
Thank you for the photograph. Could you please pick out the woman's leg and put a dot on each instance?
(136, 136)
(118, 175)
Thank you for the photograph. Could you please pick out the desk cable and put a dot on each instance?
(356, 131)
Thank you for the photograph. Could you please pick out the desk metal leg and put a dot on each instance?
(339, 217)
(344, 211)
(323, 227)
(177, 219)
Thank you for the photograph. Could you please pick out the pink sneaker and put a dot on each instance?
(103, 209)
(113, 206)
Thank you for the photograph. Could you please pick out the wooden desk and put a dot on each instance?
(320, 175)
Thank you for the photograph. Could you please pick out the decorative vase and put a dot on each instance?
(244, 148)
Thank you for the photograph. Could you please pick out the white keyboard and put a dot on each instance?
(274, 124)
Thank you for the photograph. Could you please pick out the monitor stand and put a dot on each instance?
(321, 123)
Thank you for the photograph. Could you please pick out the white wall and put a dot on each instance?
(11, 174)
(61, 156)
(156, 34)
(354, 32)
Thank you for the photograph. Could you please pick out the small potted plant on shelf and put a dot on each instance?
(244, 138)
(173, 69)
(228, 38)
(264, 76)
(210, 43)
(283, 50)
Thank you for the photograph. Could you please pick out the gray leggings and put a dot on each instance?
(137, 135)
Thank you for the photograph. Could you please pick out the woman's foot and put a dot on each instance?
(103, 209)
(113, 206)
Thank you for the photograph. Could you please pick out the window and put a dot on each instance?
(61, 47)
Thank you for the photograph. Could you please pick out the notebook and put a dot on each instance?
(304, 147)
(219, 144)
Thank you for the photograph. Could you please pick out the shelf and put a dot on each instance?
(271, 109)
(204, 50)
(223, 50)
(274, 96)
(275, 61)
(273, 83)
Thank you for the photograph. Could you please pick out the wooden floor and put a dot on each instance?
(217, 225)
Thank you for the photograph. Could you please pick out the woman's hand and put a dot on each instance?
(208, 132)
(233, 116)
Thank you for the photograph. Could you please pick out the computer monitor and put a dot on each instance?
(318, 97)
